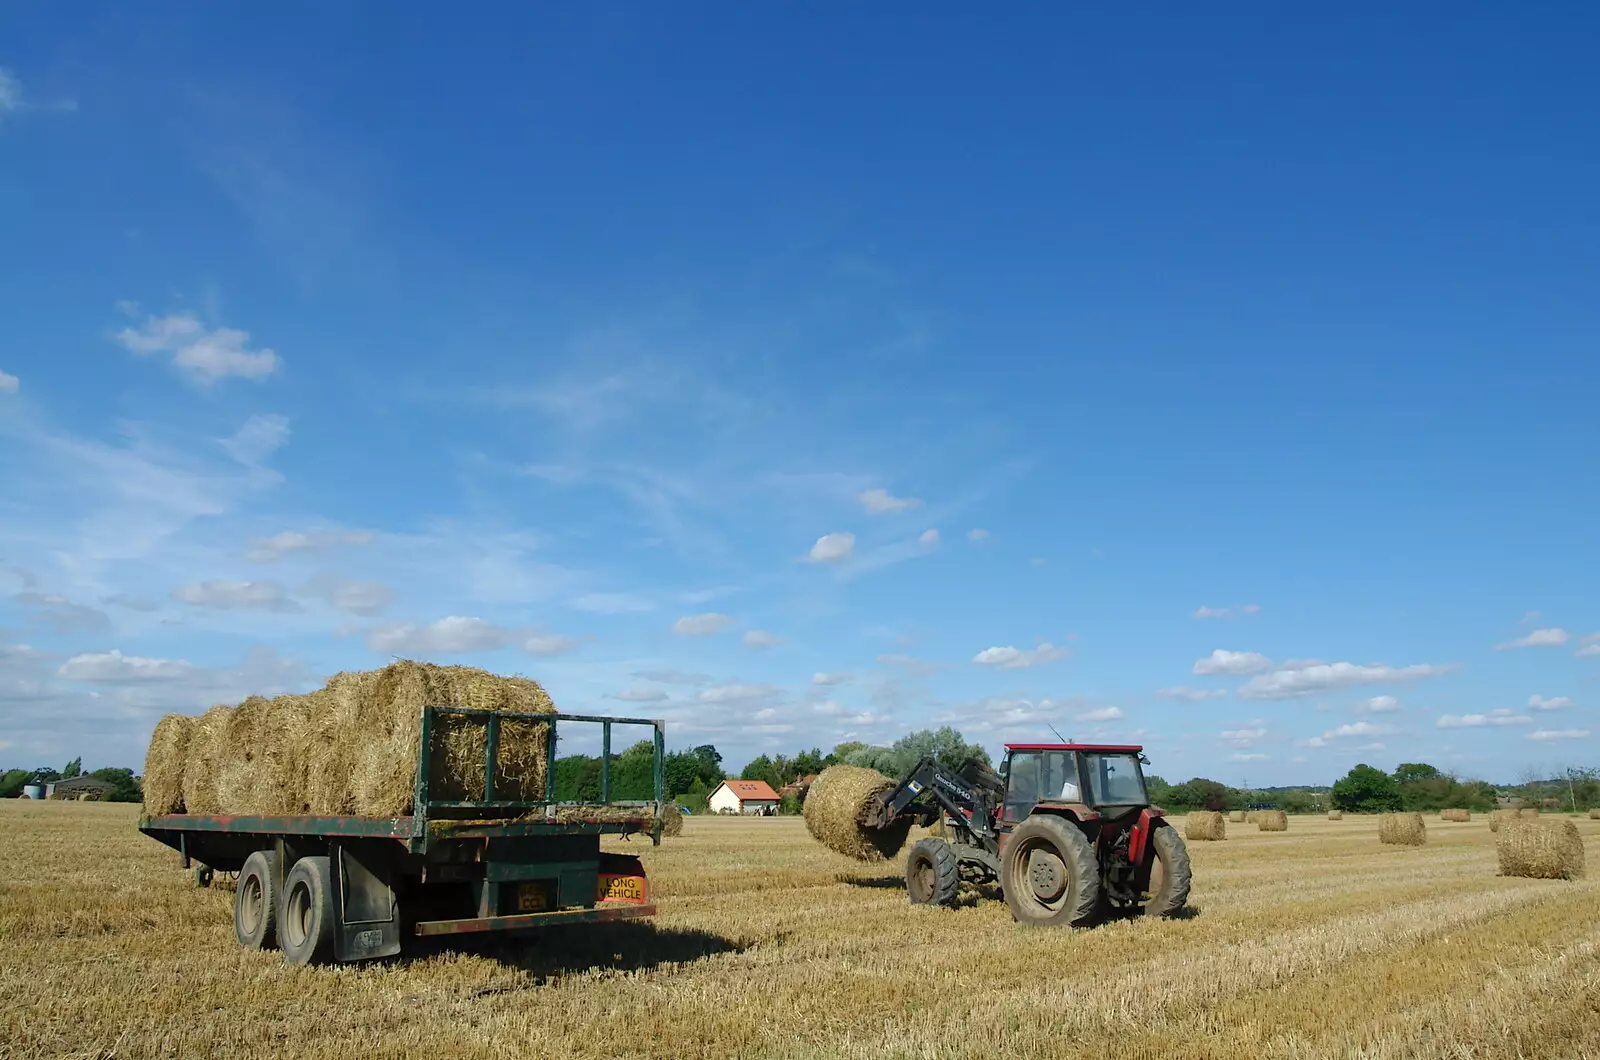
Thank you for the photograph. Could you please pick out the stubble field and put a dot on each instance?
(1310, 943)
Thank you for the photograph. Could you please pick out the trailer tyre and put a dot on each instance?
(932, 875)
(1051, 877)
(255, 902)
(305, 918)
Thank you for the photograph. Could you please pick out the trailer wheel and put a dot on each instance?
(305, 921)
(1051, 877)
(255, 902)
(203, 875)
(1170, 874)
(932, 875)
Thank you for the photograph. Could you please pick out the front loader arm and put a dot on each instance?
(929, 782)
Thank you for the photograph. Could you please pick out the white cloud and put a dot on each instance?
(1475, 721)
(736, 693)
(701, 625)
(1541, 703)
(1588, 651)
(1101, 714)
(1253, 756)
(831, 548)
(1211, 612)
(640, 695)
(236, 596)
(113, 667)
(1010, 658)
(206, 355)
(1379, 705)
(673, 677)
(1191, 695)
(1234, 663)
(820, 678)
(1348, 732)
(259, 438)
(613, 603)
(269, 549)
(1309, 680)
(10, 92)
(1552, 637)
(760, 638)
(9, 384)
(1241, 737)
(881, 502)
(1558, 734)
(1250, 609)
(548, 644)
(450, 635)
(928, 537)
(352, 597)
(977, 535)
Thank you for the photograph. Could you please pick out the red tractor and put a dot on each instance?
(1065, 829)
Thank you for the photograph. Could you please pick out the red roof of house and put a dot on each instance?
(748, 790)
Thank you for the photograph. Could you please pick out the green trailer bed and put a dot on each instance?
(353, 888)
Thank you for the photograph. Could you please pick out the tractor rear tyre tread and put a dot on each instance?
(1073, 860)
(1177, 876)
(933, 876)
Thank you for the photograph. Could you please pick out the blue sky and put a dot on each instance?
(796, 375)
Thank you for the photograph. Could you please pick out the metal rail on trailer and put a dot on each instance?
(452, 866)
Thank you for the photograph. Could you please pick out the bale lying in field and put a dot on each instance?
(1402, 829)
(1500, 817)
(1272, 821)
(672, 820)
(1335, 815)
(1594, 815)
(1253, 817)
(1205, 825)
(1547, 849)
(163, 764)
(1455, 815)
(352, 747)
(1236, 817)
(835, 798)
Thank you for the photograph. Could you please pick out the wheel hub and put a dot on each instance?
(1047, 875)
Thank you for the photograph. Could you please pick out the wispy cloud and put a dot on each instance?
(206, 355)
(882, 502)
(1476, 721)
(1323, 677)
(833, 548)
(1553, 703)
(701, 625)
(237, 596)
(1231, 663)
(9, 384)
(287, 542)
(1558, 734)
(757, 639)
(1552, 637)
(1191, 695)
(1012, 658)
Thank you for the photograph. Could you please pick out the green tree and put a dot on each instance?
(680, 769)
(1413, 772)
(125, 787)
(74, 769)
(1199, 793)
(578, 778)
(1366, 790)
(12, 781)
(842, 751)
(789, 804)
(762, 768)
(633, 773)
(1159, 790)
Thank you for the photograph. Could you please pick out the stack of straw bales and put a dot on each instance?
(1455, 815)
(1335, 815)
(1272, 820)
(831, 807)
(1402, 829)
(1205, 825)
(1547, 849)
(1236, 817)
(348, 748)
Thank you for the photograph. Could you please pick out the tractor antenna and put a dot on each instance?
(1060, 737)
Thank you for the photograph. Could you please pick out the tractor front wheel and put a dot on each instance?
(1050, 877)
(1170, 875)
(932, 875)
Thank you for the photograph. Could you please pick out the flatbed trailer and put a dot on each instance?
(357, 888)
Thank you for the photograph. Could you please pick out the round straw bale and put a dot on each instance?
(1236, 817)
(672, 820)
(200, 759)
(1457, 816)
(1205, 825)
(1402, 829)
(1594, 815)
(163, 765)
(1335, 815)
(239, 760)
(835, 798)
(1545, 849)
(1272, 821)
(1253, 817)
(1499, 817)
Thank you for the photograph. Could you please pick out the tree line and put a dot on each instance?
(125, 786)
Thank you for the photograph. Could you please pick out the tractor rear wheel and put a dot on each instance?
(932, 875)
(1170, 874)
(1051, 877)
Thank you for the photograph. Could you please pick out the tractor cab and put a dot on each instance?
(1103, 777)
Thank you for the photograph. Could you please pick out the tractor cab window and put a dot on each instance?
(1115, 780)
(1040, 776)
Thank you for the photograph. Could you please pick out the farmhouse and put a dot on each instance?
(743, 796)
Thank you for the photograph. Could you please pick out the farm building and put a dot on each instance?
(743, 796)
(79, 788)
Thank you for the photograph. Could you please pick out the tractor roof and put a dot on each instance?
(1121, 748)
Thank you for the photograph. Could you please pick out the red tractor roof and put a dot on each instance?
(1121, 748)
